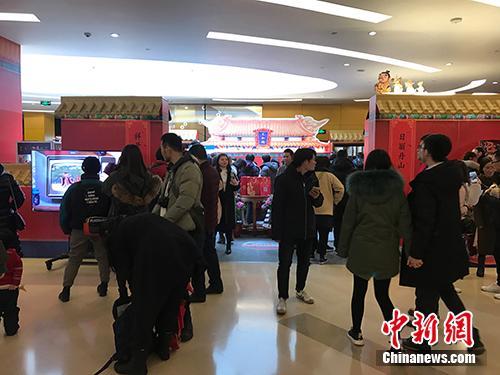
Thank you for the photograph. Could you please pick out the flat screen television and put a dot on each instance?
(53, 172)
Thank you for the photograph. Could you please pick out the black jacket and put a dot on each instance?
(226, 196)
(292, 211)
(131, 194)
(6, 201)
(341, 168)
(82, 200)
(250, 169)
(153, 255)
(437, 235)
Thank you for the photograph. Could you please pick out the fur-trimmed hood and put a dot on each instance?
(149, 192)
(376, 186)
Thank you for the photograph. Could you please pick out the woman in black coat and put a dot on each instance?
(156, 257)
(229, 186)
(11, 196)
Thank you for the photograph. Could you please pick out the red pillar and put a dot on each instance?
(11, 123)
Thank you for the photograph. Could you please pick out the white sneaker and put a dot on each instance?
(492, 288)
(281, 307)
(497, 296)
(458, 290)
(356, 338)
(304, 297)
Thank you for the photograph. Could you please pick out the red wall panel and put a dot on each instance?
(11, 129)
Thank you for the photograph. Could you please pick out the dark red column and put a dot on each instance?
(11, 126)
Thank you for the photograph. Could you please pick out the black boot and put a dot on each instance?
(481, 260)
(64, 295)
(228, 248)
(102, 289)
(136, 365)
(187, 331)
(163, 345)
(478, 347)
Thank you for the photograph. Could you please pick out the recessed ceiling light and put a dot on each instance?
(332, 9)
(449, 64)
(372, 33)
(495, 82)
(19, 17)
(495, 3)
(456, 20)
(256, 100)
(186, 107)
(147, 78)
(114, 35)
(347, 64)
(319, 48)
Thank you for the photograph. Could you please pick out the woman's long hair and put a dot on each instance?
(228, 163)
(132, 162)
(378, 159)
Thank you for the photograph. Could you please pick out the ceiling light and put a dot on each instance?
(19, 17)
(456, 20)
(319, 48)
(360, 70)
(186, 107)
(114, 35)
(256, 100)
(495, 3)
(347, 64)
(46, 75)
(495, 82)
(484, 93)
(470, 86)
(361, 100)
(449, 64)
(332, 9)
(372, 33)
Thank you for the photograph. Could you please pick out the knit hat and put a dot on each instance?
(91, 165)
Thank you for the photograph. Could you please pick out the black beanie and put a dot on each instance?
(91, 165)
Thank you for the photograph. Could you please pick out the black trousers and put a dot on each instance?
(324, 224)
(212, 261)
(427, 299)
(9, 311)
(286, 250)
(358, 300)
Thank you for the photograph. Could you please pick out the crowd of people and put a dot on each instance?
(158, 226)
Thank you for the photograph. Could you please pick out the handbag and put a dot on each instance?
(17, 219)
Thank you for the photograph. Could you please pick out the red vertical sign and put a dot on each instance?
(403, 148)
(137, 133)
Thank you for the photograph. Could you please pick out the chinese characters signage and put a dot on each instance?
(402, 147)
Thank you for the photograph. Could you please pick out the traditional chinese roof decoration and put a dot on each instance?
(462, 106)
(241, 134)
(112, 107)
(346, 136)
(21, 172)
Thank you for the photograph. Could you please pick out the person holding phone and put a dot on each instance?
(229, 185)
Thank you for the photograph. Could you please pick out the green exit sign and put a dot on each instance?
(45, 103)
(322, 131)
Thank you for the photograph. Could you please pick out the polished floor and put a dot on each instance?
(235, 333)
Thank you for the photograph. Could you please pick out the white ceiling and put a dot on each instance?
(419, 31)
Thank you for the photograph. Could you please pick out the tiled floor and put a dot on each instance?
(235, 333)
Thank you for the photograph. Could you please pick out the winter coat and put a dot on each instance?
(182, 190)
(375, 219)
(281, 170)
(332, 191)
(81, 201)
(3, 258)
(153, 255)
(342, 167)
(437, 234)
(270, 169)
(209, 195)
(7, 201)
(226, 196)
(484, 216)
(129, 194)
(292, 211)
(250, 169)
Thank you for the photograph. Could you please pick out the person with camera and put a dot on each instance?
(294, 227)
(81, 201)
